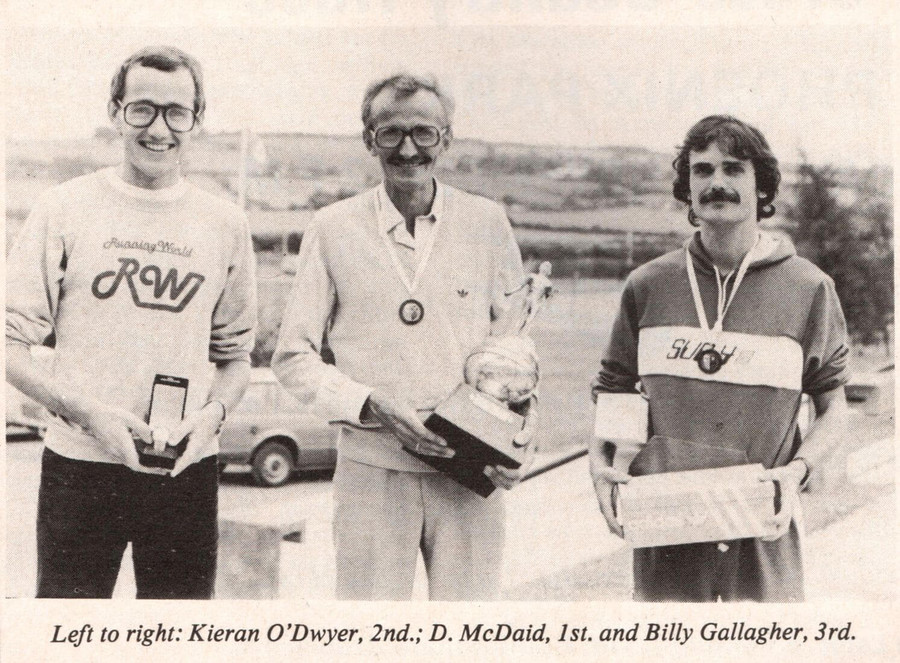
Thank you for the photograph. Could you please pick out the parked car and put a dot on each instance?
(268, 432)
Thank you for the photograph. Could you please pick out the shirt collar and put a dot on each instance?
(389, 217)
(167, 194)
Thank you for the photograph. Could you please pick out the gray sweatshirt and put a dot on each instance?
(131, 283)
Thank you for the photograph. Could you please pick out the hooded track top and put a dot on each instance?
(783, 335)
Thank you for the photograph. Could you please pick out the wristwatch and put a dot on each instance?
(224, 414)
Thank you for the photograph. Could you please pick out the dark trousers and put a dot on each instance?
(743, 570)
(88, 512)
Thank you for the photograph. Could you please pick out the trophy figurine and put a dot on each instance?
(476, 420)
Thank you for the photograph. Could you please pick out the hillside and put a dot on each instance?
(575, 205)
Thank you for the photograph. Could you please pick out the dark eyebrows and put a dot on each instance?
(730, 165)
(734, 166)
(153, 103)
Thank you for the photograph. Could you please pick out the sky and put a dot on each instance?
(825, 90)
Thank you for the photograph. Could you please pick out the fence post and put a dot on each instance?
(629, 242)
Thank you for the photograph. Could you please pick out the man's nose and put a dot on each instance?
(158, 127)
(408, 147)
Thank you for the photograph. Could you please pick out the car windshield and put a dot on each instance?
(259, 397)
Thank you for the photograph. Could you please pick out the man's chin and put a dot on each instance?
(419, 175)
(721, 220)
(722, 212)
(151, 174)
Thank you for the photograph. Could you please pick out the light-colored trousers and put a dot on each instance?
(382, 518)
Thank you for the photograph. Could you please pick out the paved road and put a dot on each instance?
(855, 558)
(553, 524)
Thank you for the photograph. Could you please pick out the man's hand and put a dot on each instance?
(116, 429)
(113, 428)
(199, 427)
(505, 477)
(401, 420)
(789, 478)
(605, 477)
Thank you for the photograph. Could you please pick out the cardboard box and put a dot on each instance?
(700, 505)
(480, 430)
(622, 419)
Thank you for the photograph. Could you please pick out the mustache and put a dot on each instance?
(720, 195)
(415, 161)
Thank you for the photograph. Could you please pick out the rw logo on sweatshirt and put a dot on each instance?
(149, 288)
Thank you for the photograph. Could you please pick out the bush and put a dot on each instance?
(852, 245)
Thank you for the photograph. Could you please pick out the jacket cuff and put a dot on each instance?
(340, 398)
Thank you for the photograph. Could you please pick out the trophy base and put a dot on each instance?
(480, 430)
(165, 459)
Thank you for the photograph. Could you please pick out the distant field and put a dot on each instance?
(570, 336)
(533, 190)
(639, 218)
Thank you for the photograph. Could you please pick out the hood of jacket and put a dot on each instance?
(771, 250)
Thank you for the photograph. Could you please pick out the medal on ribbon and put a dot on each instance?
(710, 360)
(411, 312)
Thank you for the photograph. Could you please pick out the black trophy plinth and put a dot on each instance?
(165, 459)
(480, 430)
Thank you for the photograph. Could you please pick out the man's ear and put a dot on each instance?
(112, 109)
(448, 137)
(367, 139)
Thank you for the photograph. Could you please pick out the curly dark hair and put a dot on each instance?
(738, 139)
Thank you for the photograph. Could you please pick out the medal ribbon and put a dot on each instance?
(421, 261)
(421, 257)
(723, 304)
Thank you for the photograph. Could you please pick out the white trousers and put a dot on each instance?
(383, 518)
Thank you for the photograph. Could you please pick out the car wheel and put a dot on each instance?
(272, 464)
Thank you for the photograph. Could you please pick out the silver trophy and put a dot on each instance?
(476, 420)
(506, 367)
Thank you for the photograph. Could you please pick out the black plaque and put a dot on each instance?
(480, 430)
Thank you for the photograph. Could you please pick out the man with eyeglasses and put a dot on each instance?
(133, 274)
(404, 281)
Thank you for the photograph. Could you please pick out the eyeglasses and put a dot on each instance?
(422, 135)
(141, 114)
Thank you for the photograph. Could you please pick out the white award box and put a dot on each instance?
(719, 504)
